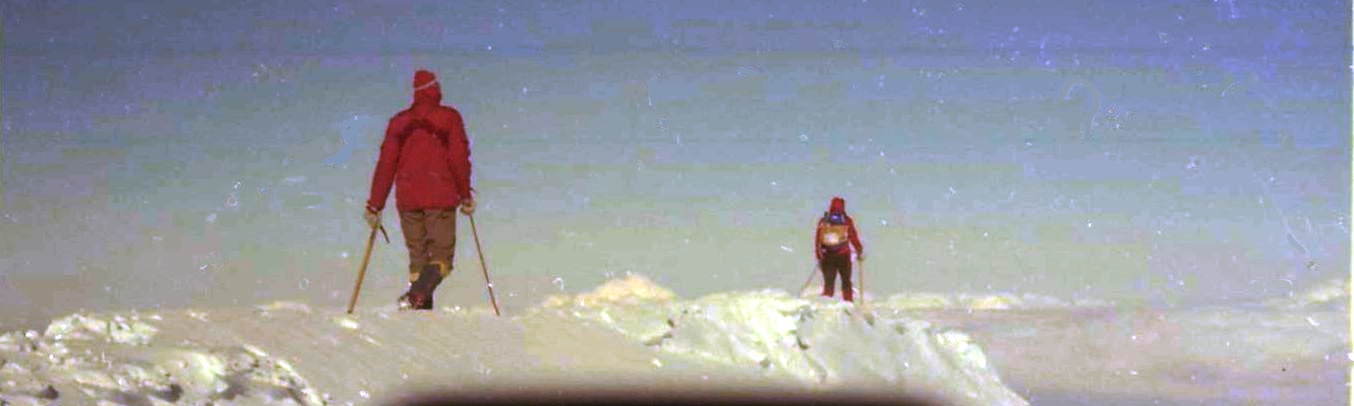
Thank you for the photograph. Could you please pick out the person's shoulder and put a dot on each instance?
(447, 112)
(402, 114)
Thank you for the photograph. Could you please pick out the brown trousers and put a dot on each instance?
(430, 236)
(833, 265)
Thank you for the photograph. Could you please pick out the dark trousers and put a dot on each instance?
(430, 236)
(836, 264)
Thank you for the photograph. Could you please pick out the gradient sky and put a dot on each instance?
(96, 74)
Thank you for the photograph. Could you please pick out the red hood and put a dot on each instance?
(838, 205)
(426, 88)
(431, 95)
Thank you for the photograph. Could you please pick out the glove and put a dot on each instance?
(860, 256)
(372, 216)
(468, 206)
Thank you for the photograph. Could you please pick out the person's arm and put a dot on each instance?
(855, 237)
(460, 157)
(818, 241)
(384, 176)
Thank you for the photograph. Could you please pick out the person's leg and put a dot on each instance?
(412, 224)
(829, 271)
(441, 226)
(847, 289)
(440, 244)
(423, 275)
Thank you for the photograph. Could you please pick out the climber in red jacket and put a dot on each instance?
(832, 245)
(426, 157)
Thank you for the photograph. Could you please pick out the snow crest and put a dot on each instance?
(626, 329)
(112, 358)
(821, 342)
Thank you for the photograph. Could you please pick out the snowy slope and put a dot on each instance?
(626, 334)
(630, 334)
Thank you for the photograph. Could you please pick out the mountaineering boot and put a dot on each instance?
(420, 295)
(403, 301)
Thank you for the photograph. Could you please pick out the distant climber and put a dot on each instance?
(426, 156)
(832, 244)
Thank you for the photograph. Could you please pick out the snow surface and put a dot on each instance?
(291, 353)
(632, 334)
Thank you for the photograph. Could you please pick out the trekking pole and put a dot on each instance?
(487, 284)
(864, 310)
(362, 270)
(861, 264)
(812, 272)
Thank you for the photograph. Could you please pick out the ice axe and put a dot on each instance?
(362, 269)
(487, 284)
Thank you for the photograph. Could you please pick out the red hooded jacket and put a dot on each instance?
(425, 154)
(838, 206)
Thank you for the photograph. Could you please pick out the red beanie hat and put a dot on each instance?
(424, 79)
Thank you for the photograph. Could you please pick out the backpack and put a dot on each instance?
(835, 230)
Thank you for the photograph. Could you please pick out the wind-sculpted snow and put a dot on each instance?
(820, 342)
(112, 359)
(630, 333)
(627, 332)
